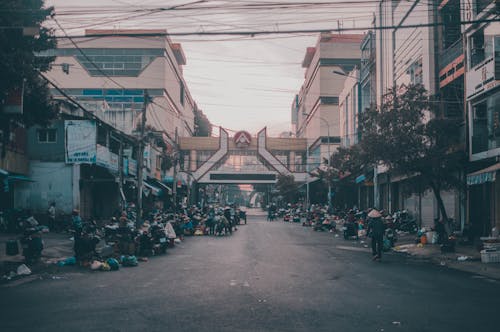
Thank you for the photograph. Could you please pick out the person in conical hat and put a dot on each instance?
(376, 230)
(374, 214)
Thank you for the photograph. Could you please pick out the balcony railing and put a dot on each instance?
(451, 53)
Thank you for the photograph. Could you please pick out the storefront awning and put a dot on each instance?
(14, 177)
(154, 190)
(360, 178)
(487, 174)
(161, 185)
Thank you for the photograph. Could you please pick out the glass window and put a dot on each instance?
(47, 135)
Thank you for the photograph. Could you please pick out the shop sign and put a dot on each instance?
(132, 167)
(106, 158)
(481, 79)
(81, 137)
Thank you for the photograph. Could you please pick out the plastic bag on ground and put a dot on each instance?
(23, 270)
(113, 264)
(105, 267)
(129, 261)
(96, 265)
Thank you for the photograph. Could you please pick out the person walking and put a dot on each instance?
(376, 231)
(51, 215)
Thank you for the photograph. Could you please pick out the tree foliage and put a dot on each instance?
(203, 127)
(408, 136)
(20, 66)
(288, 188)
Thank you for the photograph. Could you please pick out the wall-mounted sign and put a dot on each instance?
(106, 158)
(81, 138)
(481, 78)
(242, 139)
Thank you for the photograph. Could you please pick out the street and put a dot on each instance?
(267, 276)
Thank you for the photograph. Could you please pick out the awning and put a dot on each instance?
(154, 190)
(160, 185)
(484, 175)
(360, 178)
(14, 177)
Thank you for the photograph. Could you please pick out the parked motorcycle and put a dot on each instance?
(350, 229)
(31, 240)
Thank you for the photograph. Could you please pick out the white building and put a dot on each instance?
(110, 71)
(315, 112)
(349, 109)
(482, 93)
(408, 55)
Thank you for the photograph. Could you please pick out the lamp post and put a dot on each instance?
(329, 198)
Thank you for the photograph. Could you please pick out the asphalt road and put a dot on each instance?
(267, 276)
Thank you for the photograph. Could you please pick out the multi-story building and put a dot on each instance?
(315, 112)
(109, 71)
(410, 53)
(482, 93)
(88, 159)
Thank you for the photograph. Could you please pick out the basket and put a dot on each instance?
(490, 256)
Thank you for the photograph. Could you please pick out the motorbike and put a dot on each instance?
(159, 237)
(287, 217)
(31, 241)
(86, 243)
(350, 229)
(403, 222)
(390, 237)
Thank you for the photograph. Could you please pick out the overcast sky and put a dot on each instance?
(240, 82)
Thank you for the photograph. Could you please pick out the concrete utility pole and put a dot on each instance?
(140, 159)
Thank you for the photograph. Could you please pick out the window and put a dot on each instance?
(182, 93)
(47, 135)
(158, 162)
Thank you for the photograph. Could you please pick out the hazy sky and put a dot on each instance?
(241, 83)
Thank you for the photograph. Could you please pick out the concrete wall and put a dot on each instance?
(53, 182)
(47, 151)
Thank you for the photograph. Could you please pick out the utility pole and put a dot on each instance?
(174, 184)
(140, 159)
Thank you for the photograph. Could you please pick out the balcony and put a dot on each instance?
(450, 54)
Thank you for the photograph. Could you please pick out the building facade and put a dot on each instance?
(315, 112)
(109, 72)
(482, 94)
(409, 53)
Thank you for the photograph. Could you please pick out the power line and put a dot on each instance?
(279, 32)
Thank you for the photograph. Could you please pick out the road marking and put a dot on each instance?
(353, 248)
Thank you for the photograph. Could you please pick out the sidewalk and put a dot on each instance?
(465, 258)
(56, 246)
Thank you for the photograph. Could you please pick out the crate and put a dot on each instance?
(490, 256)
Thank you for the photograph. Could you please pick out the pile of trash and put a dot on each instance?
(110, 264)
(491, 248)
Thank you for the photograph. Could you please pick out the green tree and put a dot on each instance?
(287, 188)
(203, 127)
(20, 66)
(408, 135)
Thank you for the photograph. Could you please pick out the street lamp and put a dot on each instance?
(329, 200)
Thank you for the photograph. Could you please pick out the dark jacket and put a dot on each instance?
(376, 227)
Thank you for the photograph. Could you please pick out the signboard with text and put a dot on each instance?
(481, 78)
(81, 138)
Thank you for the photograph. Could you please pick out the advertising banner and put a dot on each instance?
(81, 138)
(106, 158)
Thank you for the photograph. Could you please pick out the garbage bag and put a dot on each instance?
(105, 267)
(129, 261)
(96, 265)
(113, 264)
(23, 270)
(67, 261)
